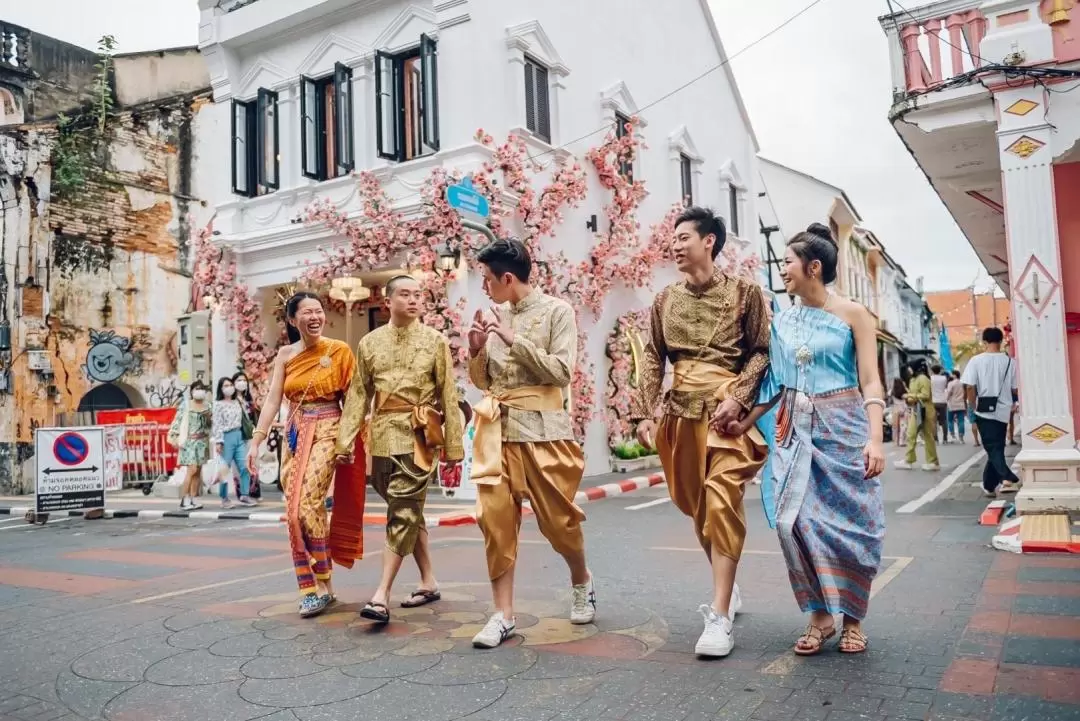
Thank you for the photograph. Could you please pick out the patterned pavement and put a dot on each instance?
(132, 620)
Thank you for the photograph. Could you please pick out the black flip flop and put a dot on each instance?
(425, 597)
(372, 612)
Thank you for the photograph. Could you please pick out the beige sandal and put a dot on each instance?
(813, 640)
(853, 640)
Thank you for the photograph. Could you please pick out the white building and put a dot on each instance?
(314, 89)
(982, 98)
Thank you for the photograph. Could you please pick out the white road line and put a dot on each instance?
(27, 526)
(647, 504)
(946, 482)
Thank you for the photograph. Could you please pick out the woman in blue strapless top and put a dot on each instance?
(826, 450)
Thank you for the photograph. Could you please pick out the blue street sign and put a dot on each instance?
(463, 198)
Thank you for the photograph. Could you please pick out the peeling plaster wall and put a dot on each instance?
(115, 262)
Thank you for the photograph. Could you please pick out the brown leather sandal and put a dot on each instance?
(813, 640)
(853, 640)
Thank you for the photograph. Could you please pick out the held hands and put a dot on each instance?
(728, 417)
(343, 459)
(873, 459)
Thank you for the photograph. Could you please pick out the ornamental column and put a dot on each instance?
(1049, 460)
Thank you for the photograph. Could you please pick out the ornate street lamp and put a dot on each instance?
(349, 290)
(448, 260)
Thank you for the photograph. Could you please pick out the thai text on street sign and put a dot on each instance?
(70, 465)
(462, 197)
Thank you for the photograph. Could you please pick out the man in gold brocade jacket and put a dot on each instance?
(405, 381)
(714, 330)
(522, 357)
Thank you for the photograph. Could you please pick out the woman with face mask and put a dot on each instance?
(229, 440)
(251, 413)
(190, 432)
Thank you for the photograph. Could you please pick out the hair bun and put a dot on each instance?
(821, 231)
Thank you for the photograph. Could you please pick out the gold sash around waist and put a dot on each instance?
(487, 440)
(692, 376)
(426, 422)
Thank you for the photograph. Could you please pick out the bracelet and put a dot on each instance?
(257, 431)
(873, 402)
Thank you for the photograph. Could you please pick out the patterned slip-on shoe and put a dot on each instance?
(312, 605)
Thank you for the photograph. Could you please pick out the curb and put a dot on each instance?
(1010, 538)
(608, 490)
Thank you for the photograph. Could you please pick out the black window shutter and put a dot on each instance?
(733, 195)
(530, 96)
(343, 127)
(543, 106)
(266, 153)
(309, 128)
(386, 106)
(241, 182)
(687, 180)
(429, 79)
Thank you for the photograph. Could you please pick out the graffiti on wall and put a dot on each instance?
(166, 393)
(110, 356)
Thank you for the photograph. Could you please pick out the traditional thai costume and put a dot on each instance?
(829, 516)
(716, 336)
(405, 380)
(524, 444)
(316, 379)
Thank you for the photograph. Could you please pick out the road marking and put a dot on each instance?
(647, 504)
(946, 482)
(28, 526)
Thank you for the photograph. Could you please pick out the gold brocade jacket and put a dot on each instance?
(545, 343)
(414, 363)
(723, 323)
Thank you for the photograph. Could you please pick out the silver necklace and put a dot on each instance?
(804, 354)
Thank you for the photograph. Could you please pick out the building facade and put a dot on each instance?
(965, 314)
(318, 92)
(96, 238)
(982, 101)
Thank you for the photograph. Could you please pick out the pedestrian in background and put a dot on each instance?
(939, 384)
(251, 417)
(990, 381)
(190, 433)
(899, 408)
(957, 406)
(923, 419)
(230, 440)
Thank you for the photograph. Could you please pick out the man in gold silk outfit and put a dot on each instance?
(405, 381)
(522, 358)
(714, 330)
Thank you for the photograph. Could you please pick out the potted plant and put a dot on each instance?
(632, 456)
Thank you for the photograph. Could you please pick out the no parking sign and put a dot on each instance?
(70, 469)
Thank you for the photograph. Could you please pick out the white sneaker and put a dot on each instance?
(903, 465)
(736, 601)
(931, 467)
(583, 606)
(717, 639)
(494, 632)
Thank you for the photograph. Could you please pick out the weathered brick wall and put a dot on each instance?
(118, 276)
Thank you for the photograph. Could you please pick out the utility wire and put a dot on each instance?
(690, 82)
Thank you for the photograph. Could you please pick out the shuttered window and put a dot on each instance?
(687, 179)
(537, 100)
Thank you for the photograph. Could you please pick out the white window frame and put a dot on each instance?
(731, 180)
(681, 145)
(530, 39)
(617, 100)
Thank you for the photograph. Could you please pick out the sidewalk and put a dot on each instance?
(441, 510)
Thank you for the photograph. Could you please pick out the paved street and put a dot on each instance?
(133, 620)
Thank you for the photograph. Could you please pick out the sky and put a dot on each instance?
(818, 92)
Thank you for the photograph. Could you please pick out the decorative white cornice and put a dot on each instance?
(680, 143)
(352, 53)
(530, 37)
(617, 98)
(388, 38)
(250, 81)
(729, 175)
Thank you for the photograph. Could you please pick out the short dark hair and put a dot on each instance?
(816, 243)
(706, 222)
(993, 335)
(507, 255)
(937, 370)
(199, 384)
(393, 283)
